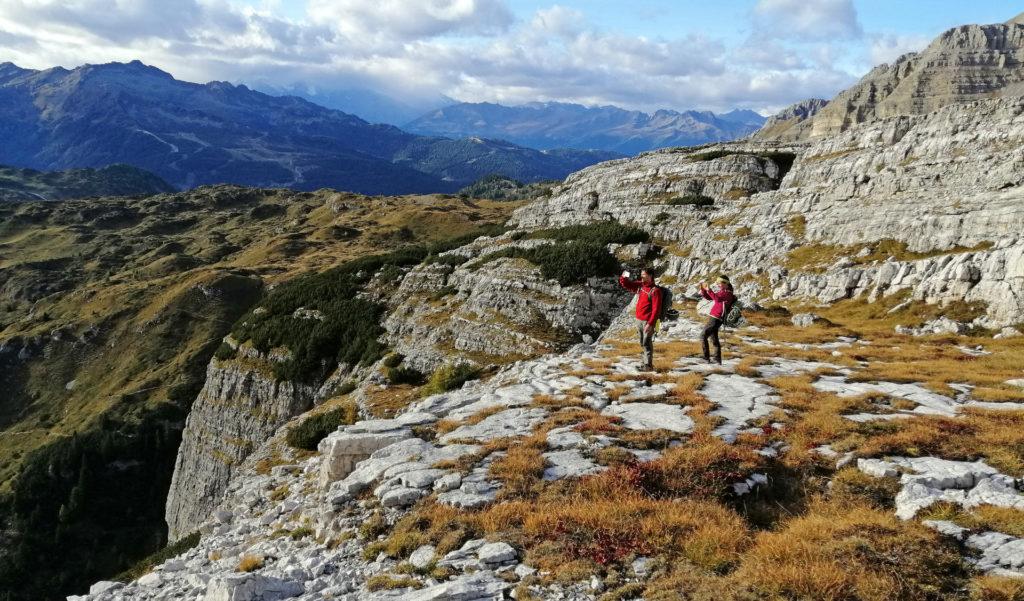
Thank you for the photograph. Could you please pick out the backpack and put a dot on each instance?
(734, 317)
(666, 312)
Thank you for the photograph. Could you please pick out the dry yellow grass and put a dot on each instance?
(996, 588)
(250, 563)
(839, 553)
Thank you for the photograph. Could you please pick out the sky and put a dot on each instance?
(647, 55)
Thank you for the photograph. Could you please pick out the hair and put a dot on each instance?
(647, 270)
(725, 280)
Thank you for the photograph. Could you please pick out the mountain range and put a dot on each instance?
(547, 125)
(192, 134)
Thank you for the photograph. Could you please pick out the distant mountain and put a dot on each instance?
(191, 134)
(558, 125)
(369, 105)
(115, 180)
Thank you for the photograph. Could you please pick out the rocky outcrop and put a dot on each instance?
(494, 311)
(778, 124)
(240, 406)
(963, 64)
(638, 190)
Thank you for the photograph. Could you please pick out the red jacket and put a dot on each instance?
(722, 297)
(648, 305)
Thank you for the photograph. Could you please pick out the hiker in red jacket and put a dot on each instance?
(723, 300)
(648, 307)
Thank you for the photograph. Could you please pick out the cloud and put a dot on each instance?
(885, 48)
(807, 19)
(472, 50)
(412, 19)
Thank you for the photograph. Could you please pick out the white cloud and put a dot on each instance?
(885, 48)
(405, 19)
(807, 19)
(468, 49)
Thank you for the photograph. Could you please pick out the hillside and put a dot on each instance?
(550, 125)
(115, 180)
(112, 309)
(193, 134)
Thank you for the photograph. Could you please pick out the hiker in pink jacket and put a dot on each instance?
(723, 299)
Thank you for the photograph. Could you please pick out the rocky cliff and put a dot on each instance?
(963, 64)
(240, 406)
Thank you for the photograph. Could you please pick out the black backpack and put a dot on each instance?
(666, 313)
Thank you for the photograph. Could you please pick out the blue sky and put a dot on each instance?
(757, 54)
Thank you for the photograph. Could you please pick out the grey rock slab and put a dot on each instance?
(422, 557)
(651, 416)
(998, 550)
(928, 402)
(569, 463)
(105, 586)
(740, 400)
(251, 587)
(496, 553)
(401, 497)
(565, 438)
(511, 422)
(480, 586)
(947, 528)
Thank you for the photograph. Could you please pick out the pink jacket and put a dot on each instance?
(723, 300)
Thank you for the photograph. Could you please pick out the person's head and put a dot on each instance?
(646, 275)
(723, 282)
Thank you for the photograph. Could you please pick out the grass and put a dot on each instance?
(381, 582)
(816, 258)
(250, 563)
(851, 552)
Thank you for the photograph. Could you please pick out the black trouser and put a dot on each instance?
(711, 331)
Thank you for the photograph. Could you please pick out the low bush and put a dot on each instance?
(449, 377)
(696, 200)
(601, 232)
(402, 374)
(568, 263)
(308, 433)
(146, 565)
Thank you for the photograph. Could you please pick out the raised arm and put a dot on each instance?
(628, 284)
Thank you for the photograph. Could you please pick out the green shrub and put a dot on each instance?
(146, 565)
(308, 434)
(601, 232)
(450, 260)
(697, 200)
(449, 377)
(402, 374)
(224, 352)
(569, 263)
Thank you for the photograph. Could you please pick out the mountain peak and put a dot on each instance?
(1018, 20)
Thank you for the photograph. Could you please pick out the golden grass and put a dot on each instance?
(996, 588)
(250, 563)
(382, 582)
(852, 552)
(521, 468)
